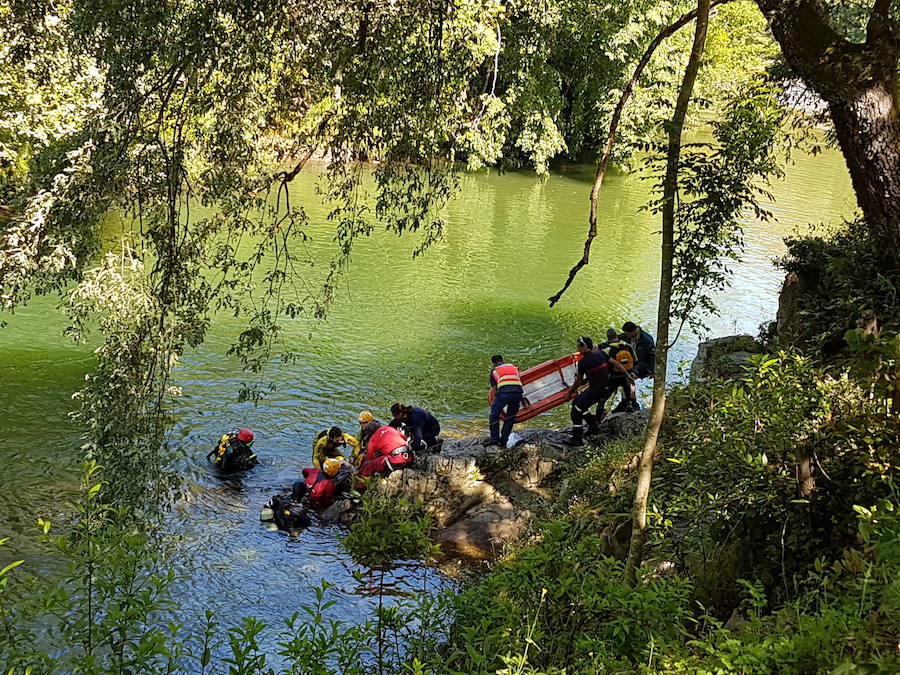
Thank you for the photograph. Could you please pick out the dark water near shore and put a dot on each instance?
(418, 331)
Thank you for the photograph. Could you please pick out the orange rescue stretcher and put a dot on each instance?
(545, 386)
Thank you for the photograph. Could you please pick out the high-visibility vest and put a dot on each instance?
(506, 373)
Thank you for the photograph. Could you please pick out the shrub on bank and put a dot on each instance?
(761, 474)
(569, 603)
(842, 275)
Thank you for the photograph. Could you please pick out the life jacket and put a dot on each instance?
(320, 487)
(233, 454)
(623, 353)
(506, 373)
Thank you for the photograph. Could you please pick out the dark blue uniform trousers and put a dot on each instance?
(504, 400)
(585, 400)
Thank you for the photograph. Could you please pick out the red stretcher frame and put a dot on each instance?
(546, 386)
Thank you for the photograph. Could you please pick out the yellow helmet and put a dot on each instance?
(332, 465)
(365, 416)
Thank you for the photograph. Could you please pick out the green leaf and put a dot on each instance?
(12, 565)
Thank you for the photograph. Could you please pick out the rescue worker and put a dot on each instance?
(422, 427)
(364, 418)
(594, 367)
(644, 348)
(234, 452)
(333, 442)
(506, 387)
(320, 487)
(616, 348)
(386, 450)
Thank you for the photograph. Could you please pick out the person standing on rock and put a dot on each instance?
(594, 368)
(506, 388)
(616, 348)
(644, 348)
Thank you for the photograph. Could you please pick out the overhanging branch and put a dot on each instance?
(611, 139)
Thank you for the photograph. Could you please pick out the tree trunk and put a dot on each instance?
(670, 189)
(859, 83)
(805, 478)
(868, 131)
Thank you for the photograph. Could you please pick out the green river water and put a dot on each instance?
(419, 331)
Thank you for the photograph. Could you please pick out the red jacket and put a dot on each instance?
(321, 487)
(383, 441)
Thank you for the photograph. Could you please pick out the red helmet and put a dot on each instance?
(245, 435)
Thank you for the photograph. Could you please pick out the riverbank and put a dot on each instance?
(483, 499)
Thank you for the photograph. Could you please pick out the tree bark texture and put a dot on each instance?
(670, 190)
(805, 478)
(858, 81)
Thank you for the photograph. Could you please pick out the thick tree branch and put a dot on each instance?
(828, 62)
(611, 139)
(881, 27)
(288, 176)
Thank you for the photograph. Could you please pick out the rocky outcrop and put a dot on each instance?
(723, 358)
(484, 497)
(787, 319)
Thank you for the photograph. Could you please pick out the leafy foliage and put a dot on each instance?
(843, 275)
(717, 184)
(389, 529)
(729, 497)
(568, 600)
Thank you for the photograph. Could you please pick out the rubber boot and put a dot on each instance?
(592, 425)
(622, 407)
(577, 439)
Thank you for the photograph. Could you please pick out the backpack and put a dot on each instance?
(623, 353)
(232, 454)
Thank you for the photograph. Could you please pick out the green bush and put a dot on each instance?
(842, 275)
(728, 498)
(603, 477)
(563, 604)
(846, 621)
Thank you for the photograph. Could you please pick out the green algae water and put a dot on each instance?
(419, 331)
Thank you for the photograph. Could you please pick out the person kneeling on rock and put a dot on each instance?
(387, 450)
(421, 426)
(320, 487)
